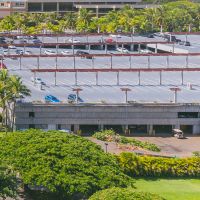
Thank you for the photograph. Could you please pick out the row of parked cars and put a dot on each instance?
(170, 38)
(72, 98)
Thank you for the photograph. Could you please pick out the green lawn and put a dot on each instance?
(171, 189)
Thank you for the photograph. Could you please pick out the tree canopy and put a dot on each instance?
(62, 165)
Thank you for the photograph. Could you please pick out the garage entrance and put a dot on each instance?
(187, 129)
(117, 128)
(163, 129)
(137, 129)
(88, 130)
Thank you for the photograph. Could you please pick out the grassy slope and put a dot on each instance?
(171, 189)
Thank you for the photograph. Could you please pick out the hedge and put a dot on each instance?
(123, 194)
(148, 166)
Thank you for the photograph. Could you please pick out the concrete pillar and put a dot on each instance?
(117, 78)
(106, 48)
(156, 49)
(76, 128)
(73, 49)
(41, 48)
(139, 47)
(139, 78)
(111, 63)
(56, 62)
(130, 61)
(42, 7)
(173, 48)
(132, 47)
(167, 61)
(182, 78)
(101, 47)
(74, 62)
(34, 76)
(149, 62)
(57, 8)
(92, 62)
(150, 130)
(55, 78)
(186, 61)
(97, 11)
(101, 126)
(76, 79)
(89, 48)
(160, 77)
(38, 62)
(196, 129)
(97, 78)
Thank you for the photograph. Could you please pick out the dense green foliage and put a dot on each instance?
(110, 135)
(148, 166)
(171, 16)
(11, 89)
(8, 183)
(67, 166)
(123, 194)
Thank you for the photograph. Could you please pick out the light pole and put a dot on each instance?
(175, 90)
(106, 147)
(77, 90)
(126, 90)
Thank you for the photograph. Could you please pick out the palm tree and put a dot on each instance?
(16, 91)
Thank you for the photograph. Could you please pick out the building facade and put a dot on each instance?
(133, 119)
(98, 7)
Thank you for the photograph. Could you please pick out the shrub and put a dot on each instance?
(196, 154)
(66, 166)
(110, 135)
(123, 194)
(134, 165)
(105, 135)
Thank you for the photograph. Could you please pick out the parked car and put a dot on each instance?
(65, 52)
(122, 50)
(150, 36)
(52, 99)
(72, 98)
(19, 52)
(22, 41)
(109, 40)
(72, 40)
(37, 41)
(115, 36)
(12, 47)
(50, 52)
(185, 43)
(145, 51)
(84, 54)
(38, 80)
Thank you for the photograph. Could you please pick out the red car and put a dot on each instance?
(109, 40)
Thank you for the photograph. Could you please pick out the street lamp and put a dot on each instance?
(106, 146)
(77, 90)
(175, 90)
(126, 90)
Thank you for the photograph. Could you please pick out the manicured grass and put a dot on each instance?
(171, 189)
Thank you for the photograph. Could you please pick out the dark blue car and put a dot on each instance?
(52, 99)
(72, 98)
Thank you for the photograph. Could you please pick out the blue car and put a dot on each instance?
(72, 98)
(52, 99)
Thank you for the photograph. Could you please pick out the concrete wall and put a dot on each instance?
(122, 114)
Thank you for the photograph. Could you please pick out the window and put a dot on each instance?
(32, 114)
(31, 125)
(187, 114)
(59, 126)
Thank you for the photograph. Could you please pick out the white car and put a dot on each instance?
(37, 80)
(27, 52)
(65, 52)
(115, 36)
(50, 52)
(145, 51)
(122, 50)
(12, 47)
(72, 40)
